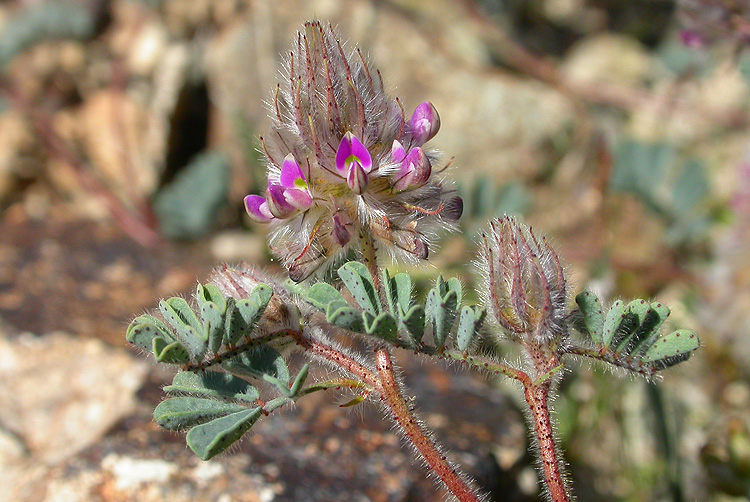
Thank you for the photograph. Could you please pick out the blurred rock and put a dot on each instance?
(61, 393)
(611, 59)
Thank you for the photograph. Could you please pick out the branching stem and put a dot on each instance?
(385, 383)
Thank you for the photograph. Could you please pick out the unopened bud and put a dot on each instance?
(526, 283)
(415, 170)
(424, 123)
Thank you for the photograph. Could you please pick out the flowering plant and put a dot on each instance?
(351, 177)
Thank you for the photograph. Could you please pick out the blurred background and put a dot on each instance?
(129, 135)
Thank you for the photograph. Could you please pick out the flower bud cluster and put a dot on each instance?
(345, 162)
(525, 284)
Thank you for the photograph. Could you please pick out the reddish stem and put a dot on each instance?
(537, 397)
(392, 396)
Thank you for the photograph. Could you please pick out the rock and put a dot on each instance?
(61, 394)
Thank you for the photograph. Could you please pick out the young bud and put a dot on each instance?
(525, 285)
(415, 170)
(424, 123)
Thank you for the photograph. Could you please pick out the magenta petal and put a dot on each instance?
(398, 153)
(357, 178)
(344, 152)
(300, 199)
(257, 208)
(352, 150)
(277, 202)
(424, 123)
(291, 173)
(415, 170)
(361, 154)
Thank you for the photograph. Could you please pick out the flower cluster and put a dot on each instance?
(346, 168)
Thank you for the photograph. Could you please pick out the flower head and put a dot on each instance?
(345, 165)
(525, 283)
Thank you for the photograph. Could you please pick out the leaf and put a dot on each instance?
(651, 328)
(259, 361)
(593, 316)
(299, 381)
(630, 335)
(383, 326)
(210, 439)
(355, 401)
(187, 328)
(169, 353)
(144, 329)
(358, 280)
(440, 308)
(398, 292)
(347, 318)
(612, 322)
(639, 167)
(180, 413)
(322, 295)
(690, 189)
(209, 293)
(672, 348)
(251, 309)
(635, 314)
(213, 384)
(213, 307)
(187, 207)
(243, 315)
(413, 322)
(468, 325)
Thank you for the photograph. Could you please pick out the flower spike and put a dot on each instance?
(355, 174)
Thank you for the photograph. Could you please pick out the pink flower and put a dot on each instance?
(355, 170)
(283, 199)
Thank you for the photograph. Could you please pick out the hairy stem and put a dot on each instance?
(392, 396)
(537, 397)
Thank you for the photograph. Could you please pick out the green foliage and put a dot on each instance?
(217, 409)
(186, 338)
(187, 207)
(676, 190)
(209, 439)
(358, 280)
(257, 362)
(628, 335)
(400, 319)
(44, 21)
(440, 308)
